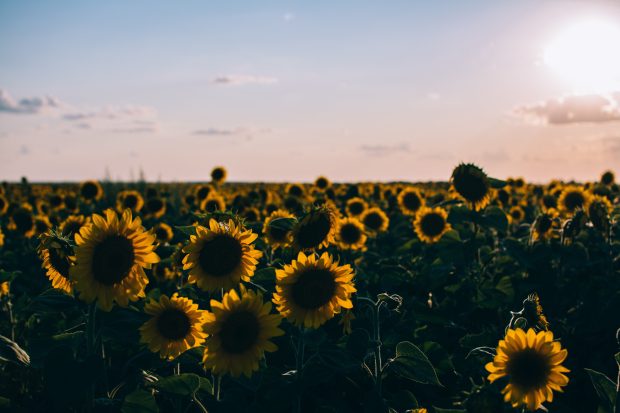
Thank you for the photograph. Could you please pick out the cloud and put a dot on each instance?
(31, 105)
(240, 80)
(111, 113)
(573, 109)
(214, 131)
(384, 150)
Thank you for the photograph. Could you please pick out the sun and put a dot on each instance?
(586, 56)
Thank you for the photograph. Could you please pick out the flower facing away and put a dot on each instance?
(57, 258)
(239, 330)
(311, 290)
(472, 184)
(221, 256)
(175, 326)
(111, 255)
(532, 362)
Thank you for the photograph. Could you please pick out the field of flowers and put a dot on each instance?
(472, 295)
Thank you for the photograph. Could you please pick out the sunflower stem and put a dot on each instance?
(90, 346)
(218, 387)
(299, 365)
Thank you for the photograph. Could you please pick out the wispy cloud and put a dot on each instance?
(30, 105)
(240, 80)
(384, 150)
(215, 131)
(112, 112)
(573, 109)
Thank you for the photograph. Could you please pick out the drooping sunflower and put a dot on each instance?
(163, 232)
(543, 225)
(239, 330)
(598, 211)
(431, 223)
(275, 235)
(131, 199)
(573, 198)
(472, 184)
(72, 224)
(316, 230)
(57, 258)
(533, 313)
(410, 201)
(91, 191)
(311, 290)
(111, 255)
(351, 234)
(532, 362)
(218, 174)
(213, 202)
(175, 326)
(221, 256)
(375, 220)
(356, 206)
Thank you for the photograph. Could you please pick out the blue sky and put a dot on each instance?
(282, 91)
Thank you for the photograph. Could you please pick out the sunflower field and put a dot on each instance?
(471, 295)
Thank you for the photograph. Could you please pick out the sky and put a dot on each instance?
(287, 91)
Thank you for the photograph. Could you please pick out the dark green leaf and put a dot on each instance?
(140, 401)
(605, 389)
(182, 385)
(412, 363)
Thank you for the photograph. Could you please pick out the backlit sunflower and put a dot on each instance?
(220, 256)
(311, 290)
(533, 313)
(543, 225)
(430, 224)
(57, 256)
(410, 201)
(277, 236)
(356, 207)
(91, 191)
(129, 199)
(111, 255)
(316, 230)
(163, 232)
(239, 330)
(213, 202)
(218, 174)
(472, 184)
(532, 362)
(175, 326)
(573, 198)
(350, 234)
(375, 220)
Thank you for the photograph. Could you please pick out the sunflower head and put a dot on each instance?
(356, 206)
(4, 289)
(608, 178)
(22, 220)
(111, 255)
(175, 326)
(201, 191)
(573, 198)
(91, 191)
(155, 207)
(542, 227)
(350, 234)
(213, 203)
(598, 212)
(516, 214)
(410, 201)
(532, 363)
(311, 290)
(431, 223)
(163, 232)
(472, 184)
(72, 225)
(239, 330)
(533, 312)
(221, 255)
(4, 205)
(322, 183)
(56, 254)
(276, 228)
(129, 199)
(316, 230)
(375, 220)
(218, 174)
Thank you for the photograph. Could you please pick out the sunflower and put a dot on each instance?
(1, 238)
(175, 326)
(410, 201)
(56, 201)
(72, 225)
(213, 202)
(239, 330)
(472, 184)
(221, 256)
(430, 224)
(4, 205)
(91, 191)
(218, 174)
(316, 230)
(542, 227)
(356, 206)
(129, 199)
(533, 313)
(42, 224)
(277, 236)
(322, 183)
(516, 214)
(375, 220)
(533, 364)
(110, 256)
(573, 198)
(350, 234)
(598, 211)
(22, 220)
(163, 232)
(4, 289)
(57, 256)
(295, 190)
(608, 178)
(251, 214)
(311, 290)
(155, 207)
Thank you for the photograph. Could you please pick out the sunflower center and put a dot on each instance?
(173, 324)
(212, 205)
(71, 227)
(373, 221)
(239, 332)
(314, 231)
(203, 192)
(321, 183)
(350, 234)
(154, 204)
(356, 208)
(23, 220)
(89, 190)
(161, 234)
(574, 200)
(217, 174)
(412, 201)
(528, 369)
(432, 224)
(314, 288)
(220, 255)
(59, 263)
(113, 259)
(130, 201)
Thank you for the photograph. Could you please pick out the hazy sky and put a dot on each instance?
(282, 90)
